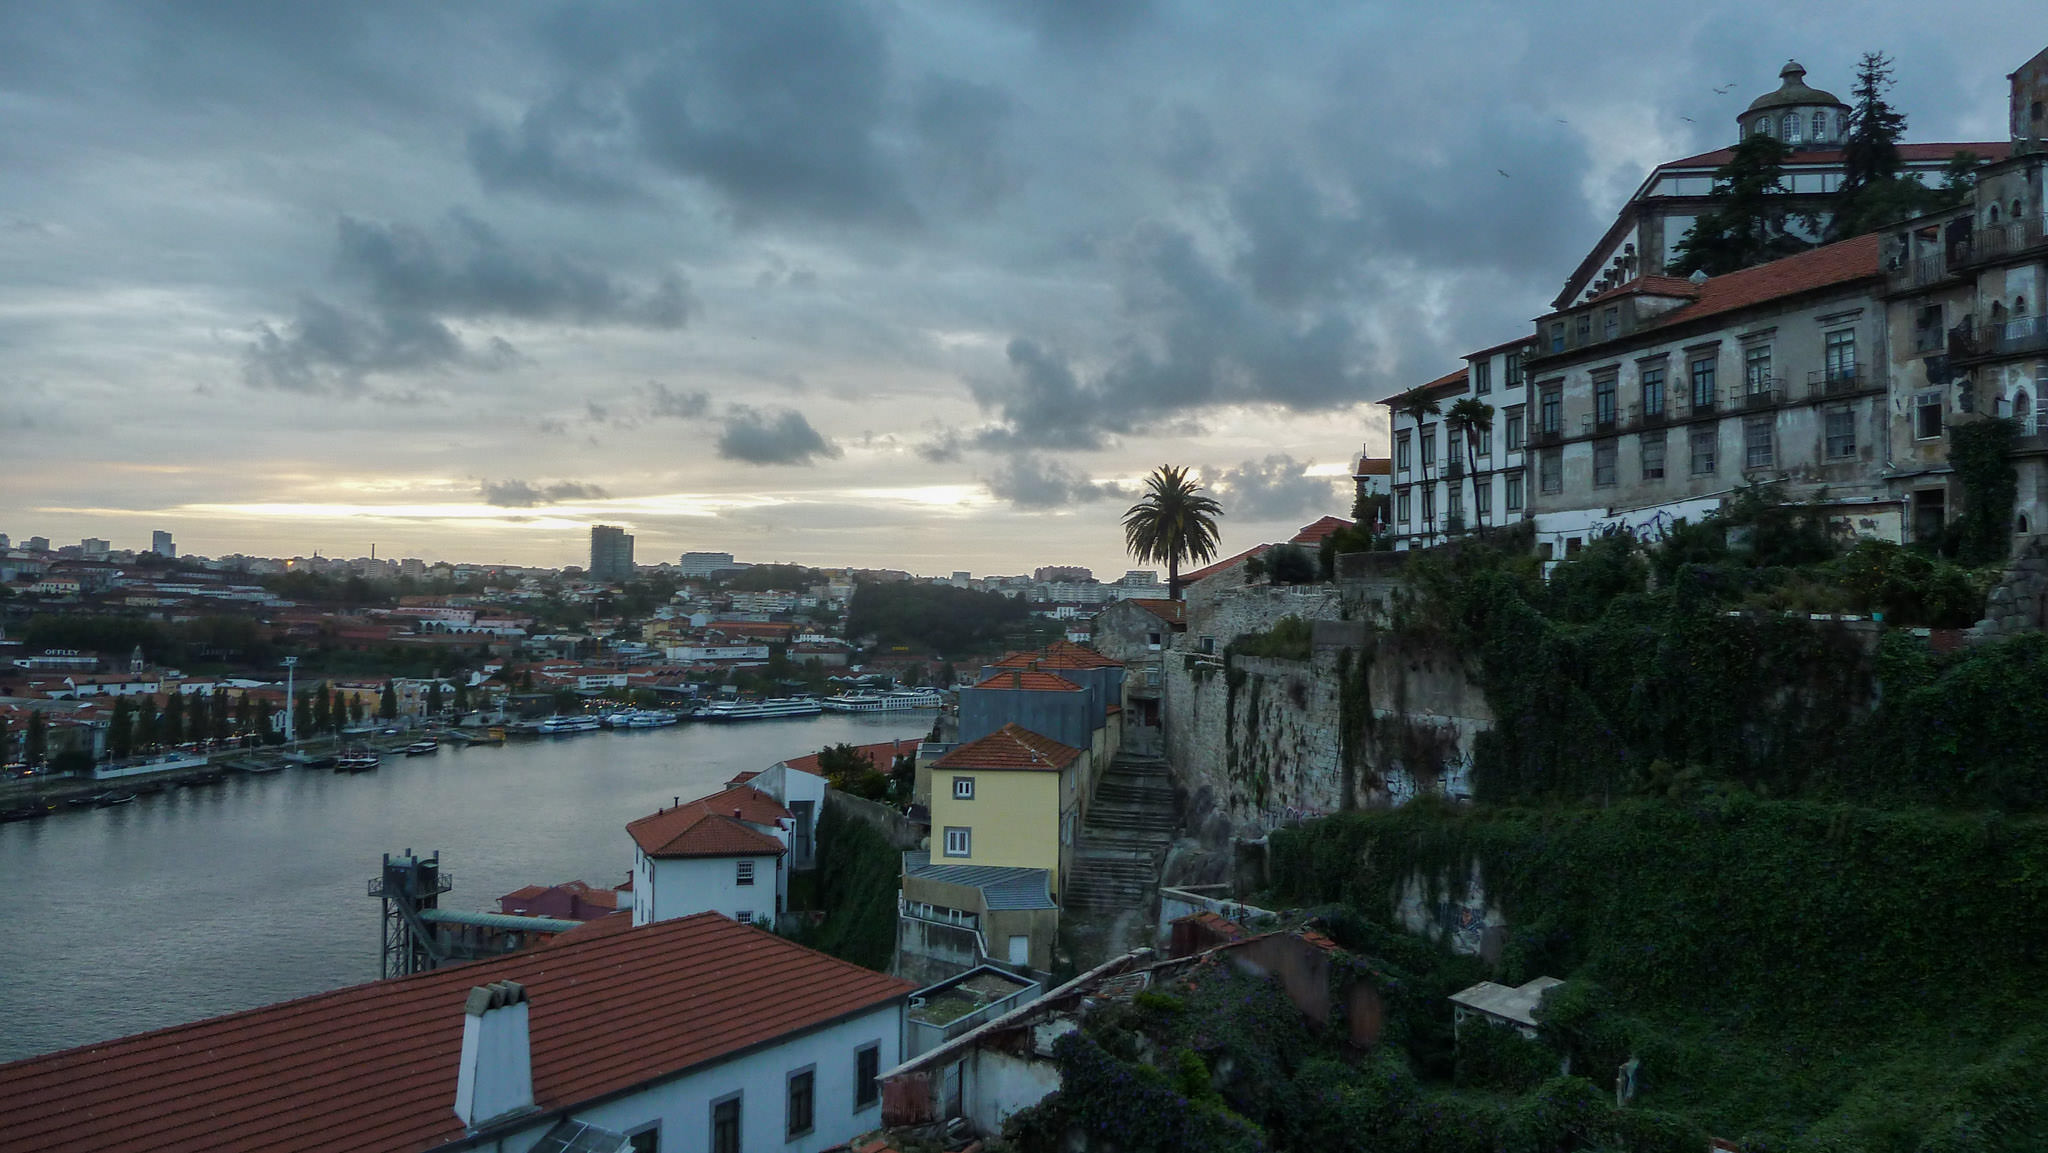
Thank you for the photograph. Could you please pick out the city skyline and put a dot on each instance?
(927, 288)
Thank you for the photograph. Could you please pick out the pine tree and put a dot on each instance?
(355, 708)
(1748, 221)
(323, 708)
(388, 706)
(1873, 193)
(434, 699)
(302, 712)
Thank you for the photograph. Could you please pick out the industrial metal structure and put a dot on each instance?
(420, 935)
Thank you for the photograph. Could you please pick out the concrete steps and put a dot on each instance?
(1131, 821)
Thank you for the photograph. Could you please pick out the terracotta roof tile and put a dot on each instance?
(1988, 150)
(1011, 747)
(713, 826)
(1188, 578)
(1030, 680)
(882, 756)
(374, 1066)
(1059, 655)
(1319, 531)
(1172, 612)
(1826, 267)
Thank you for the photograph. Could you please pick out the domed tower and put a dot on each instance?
(1804, 118)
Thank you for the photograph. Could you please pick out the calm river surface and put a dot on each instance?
(197, 902)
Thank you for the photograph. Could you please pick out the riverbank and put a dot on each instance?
(252, 891)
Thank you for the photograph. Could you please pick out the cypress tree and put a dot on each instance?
(121, 729)
(323, 709)
(263, 729)
(388, 706)
(36, 742)
(174, 719)
(1746, 224)
(1873, 192)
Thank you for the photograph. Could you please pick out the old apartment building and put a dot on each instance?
(1836, 374)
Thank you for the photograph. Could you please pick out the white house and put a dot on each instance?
(803, 794)
(693, 1034)
(724, 853)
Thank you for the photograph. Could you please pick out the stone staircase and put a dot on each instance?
(1131, 821)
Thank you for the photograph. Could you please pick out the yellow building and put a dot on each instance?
(1009, 800)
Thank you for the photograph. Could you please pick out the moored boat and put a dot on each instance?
(774, 708)
(557, 726)
(421, 748)
(357, 761)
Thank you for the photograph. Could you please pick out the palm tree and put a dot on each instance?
(1469, 416)
(1415, 405)
(1172, 524)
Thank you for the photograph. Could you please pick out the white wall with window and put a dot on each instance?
(665, 888)
(842, 1060)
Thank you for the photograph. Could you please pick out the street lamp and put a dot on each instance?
(291, 730)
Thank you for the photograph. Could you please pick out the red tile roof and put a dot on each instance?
(713, 826)
(374, 1066)
(611, 924)
(1011, 747)
(1172, 612)
(1030, 680)
(882, 756)
(1988, 150)
(1826, 267)
(1059, 655)
(1319, 531)
(1188, 578)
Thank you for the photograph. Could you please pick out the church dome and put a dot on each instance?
(1793, 91)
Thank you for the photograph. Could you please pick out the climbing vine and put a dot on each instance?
(1981, 453)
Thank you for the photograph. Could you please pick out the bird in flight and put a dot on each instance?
(1503, 172)
(1723, 89)
(1688, 120)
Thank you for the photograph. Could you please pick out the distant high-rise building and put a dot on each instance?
(705, 564)
(94, 548)
(161, 544)
(39, 544)
(4, 541)
(611, 553)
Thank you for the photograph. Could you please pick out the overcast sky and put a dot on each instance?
(924, 285)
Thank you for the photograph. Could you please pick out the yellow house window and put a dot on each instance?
(963, 788)
(959, 841)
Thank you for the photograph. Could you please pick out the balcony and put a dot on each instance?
(1761, 392)
(2019, 336)
(1838, 381)
(2007, 239)
(1703, 403)
(1543, 435)
(1455, 470)
(1639, 417)
(1605, 420)
(1919, 271)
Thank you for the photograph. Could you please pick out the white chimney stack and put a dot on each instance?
(497, 1060)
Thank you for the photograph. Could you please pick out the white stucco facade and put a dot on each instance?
(681, 1107)
(665, 888)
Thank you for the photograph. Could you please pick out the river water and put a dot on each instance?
(196, 902)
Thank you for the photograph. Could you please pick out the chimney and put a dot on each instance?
(497, 1061)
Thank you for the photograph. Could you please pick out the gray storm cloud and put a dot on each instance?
(521, 494)
(779, 436)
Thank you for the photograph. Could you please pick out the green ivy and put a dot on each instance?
(1981, 453)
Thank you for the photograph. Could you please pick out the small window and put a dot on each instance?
(1604, 453)
(1515, 432)
(1841, 432)
(963, 787)
(959, 841)
(1927, 414)
(1482, 377)
(1512, 494)
(1757, 448)
(1610, 323)
(1756, 370)
(1653, 456)
(1429, 504)
(1429, 446)
(1550, 409)
(1454, 507)
(1840, 357)
(1793, 131)
(1403, 513)
(1514, 370)
(646, 1140)
(1582, 328)
(1152, 641)
(744, 916)
(1550, 471)
(1820, 126)
(867, 1065)
(1705, 443)
(1653, 392)
(1482, 500)
(802, 1115)
(1483, 442)
(725, 1125)
(1572, 545)
(745, 875)
(1401, 454)
(1557, 336)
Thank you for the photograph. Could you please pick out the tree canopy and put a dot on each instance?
(1173, 523)
(1749, 221)
(934, 618)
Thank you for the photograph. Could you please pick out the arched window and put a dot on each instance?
(1991, 215)
(2022, 523)
(1792, 133)
(1820, 126)
(2019, 208)
(1763, 126)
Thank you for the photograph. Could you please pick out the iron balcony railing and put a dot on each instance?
(1759, 392)
(2020, 334)
(2007, 238)
(1834, 381)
